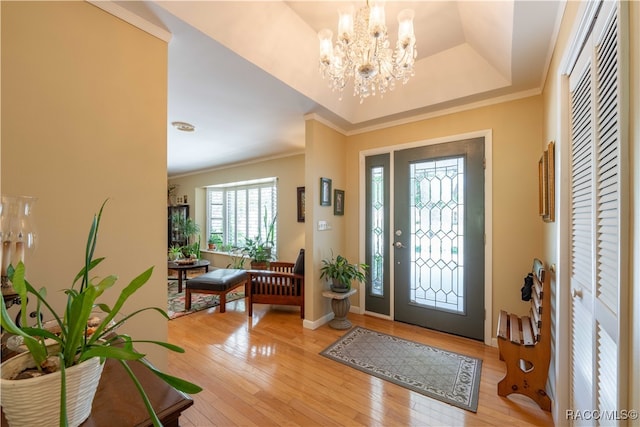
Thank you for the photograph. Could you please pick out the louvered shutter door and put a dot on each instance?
(607, 174)
(598, 368)
(582, 135)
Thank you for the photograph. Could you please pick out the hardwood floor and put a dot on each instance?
(267, 371)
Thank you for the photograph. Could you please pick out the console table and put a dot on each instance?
(340, 305)
(118, 403)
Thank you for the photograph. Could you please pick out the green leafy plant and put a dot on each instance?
(175, 252)
(75, 343)
(185, 227)
(215, 239)
(237, 259)
(341, 271)
(259, 249)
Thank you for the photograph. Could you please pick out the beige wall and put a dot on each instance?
(82, 124)
(290, 174)
(516, 130)
(324, 159)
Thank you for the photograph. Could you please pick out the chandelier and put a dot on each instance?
(362, 51)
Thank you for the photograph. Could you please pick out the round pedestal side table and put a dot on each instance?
(340, 304)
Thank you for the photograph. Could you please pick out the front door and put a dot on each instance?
(439, 237)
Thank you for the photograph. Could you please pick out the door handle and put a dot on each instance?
(576, 293)
(399, 245)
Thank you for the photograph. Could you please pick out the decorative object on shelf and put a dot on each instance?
(171, 194)
(342, 273)
(17, 233)
(77, 340)
(301, 204)
(338, 202)
(362, 51)
(546, 184)
(325, 192)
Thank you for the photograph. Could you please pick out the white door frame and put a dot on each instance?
(487, 134)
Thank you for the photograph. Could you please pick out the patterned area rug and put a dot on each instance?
(198, 301)
(443, 375)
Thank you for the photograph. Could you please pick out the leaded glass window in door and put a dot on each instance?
(437, 234)
(377, 230)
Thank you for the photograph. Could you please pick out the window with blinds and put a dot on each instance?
(241, 210)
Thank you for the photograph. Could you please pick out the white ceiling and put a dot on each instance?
(245, 73)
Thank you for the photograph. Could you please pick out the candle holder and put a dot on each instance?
(17, 234)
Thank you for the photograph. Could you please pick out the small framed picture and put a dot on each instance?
(301, 207)
(325, 192)
(338, 202)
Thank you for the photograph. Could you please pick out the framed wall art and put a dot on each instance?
(338, 202)
(301, 207)
(325, 192)
(546, 184)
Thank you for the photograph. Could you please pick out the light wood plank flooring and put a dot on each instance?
(267, 371)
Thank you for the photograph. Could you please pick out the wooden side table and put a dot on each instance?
(117, 402)
(340, 304)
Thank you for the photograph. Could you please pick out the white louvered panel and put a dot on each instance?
(581, 348)
(597, 366)
(607, 351)
(581, 182)
(607, 167)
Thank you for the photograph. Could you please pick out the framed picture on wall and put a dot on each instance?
(338, 202)
(325, 192)
(546, 184)
(551, 183)
(543, 208)
(301, 207)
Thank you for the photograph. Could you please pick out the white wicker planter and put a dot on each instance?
(36, 401)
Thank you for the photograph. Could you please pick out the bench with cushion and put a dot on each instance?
(525, 343)
(281, 284)
(218, 282)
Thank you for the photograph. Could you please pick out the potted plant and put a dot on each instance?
(175, 253)
(259, 250)
(214, 241)
(342, 273)
(80, 338)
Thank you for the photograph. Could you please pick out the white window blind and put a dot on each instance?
(242, 210)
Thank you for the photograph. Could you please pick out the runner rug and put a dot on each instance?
(198, 301)
(443, 375)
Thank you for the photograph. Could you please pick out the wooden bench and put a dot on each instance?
(217, 282)
(525, 343)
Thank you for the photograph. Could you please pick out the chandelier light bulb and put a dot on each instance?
(377, 21)
(405, 28)
(326, 46)
(363, 54)
(345, 24)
